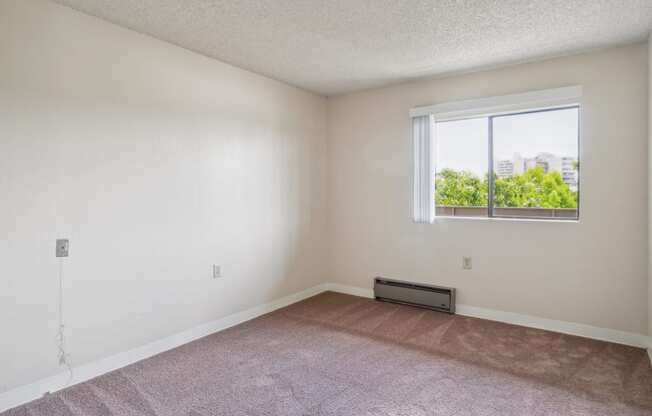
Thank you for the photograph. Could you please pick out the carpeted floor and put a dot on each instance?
(336, 354)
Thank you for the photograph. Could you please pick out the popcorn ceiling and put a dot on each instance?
(338, 46)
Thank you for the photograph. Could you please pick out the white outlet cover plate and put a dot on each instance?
(217, 271)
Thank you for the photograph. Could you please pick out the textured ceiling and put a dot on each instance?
(337, 46)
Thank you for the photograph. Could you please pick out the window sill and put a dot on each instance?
(504, 219)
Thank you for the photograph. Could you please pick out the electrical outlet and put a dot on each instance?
(217, 271)
(63, 247)
(467, 263)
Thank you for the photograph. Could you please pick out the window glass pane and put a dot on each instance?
(461, 167)
(536, 164)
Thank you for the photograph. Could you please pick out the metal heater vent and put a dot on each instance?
(415, 294)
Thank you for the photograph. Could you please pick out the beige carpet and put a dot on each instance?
(336, 354)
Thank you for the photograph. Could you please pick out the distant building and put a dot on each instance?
(569, 172)
(507, 167)
(549, 162)
(519, 164)
(504, 168)
(566, 166)
(529, 163)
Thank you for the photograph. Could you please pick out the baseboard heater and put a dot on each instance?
(437, 298)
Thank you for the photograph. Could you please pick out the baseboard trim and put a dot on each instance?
(33, 391)
(582, 330)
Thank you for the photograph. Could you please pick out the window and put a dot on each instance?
(507, 161)
(461, 167)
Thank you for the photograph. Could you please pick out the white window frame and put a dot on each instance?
(533, 101)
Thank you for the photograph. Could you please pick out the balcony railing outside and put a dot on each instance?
(536, 213)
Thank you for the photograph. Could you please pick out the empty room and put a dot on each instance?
(325, 208)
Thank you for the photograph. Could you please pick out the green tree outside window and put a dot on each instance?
(532, 189)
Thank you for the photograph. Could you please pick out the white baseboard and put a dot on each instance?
(582, 330)
(350, 290)
(27, 393)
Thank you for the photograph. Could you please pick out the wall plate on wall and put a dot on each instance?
(217, 271)
(63, 247)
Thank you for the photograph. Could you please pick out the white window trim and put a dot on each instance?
(479, 107)
(484, 107)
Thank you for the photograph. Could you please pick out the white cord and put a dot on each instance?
(64, 358)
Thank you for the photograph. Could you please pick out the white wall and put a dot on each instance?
(156, 163)
(649, 121)
(592, 272)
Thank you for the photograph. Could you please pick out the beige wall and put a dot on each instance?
(592, 272)
(156, 163)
